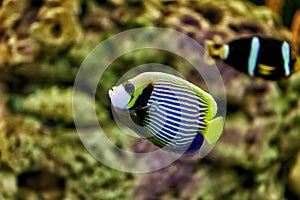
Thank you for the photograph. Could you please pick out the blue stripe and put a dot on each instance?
(183, 107)
(184, 118)
(157, 135)
(175, 144)
(178, 130)
(181, 110)
(226, 52)
(194, 102)
(184, 90)
(182, 103)
(285, 51)
(162, 119)
(175, 132)
(161, 132)
(179, 127)
(182, 143)
(252, 60)
(174, 102)
(173, 94)
(182, 115)
(158, 129)
(183, 126)
(199, 118)
(169, 122)
(176, 99)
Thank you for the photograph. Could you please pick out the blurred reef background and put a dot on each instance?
(43, 43)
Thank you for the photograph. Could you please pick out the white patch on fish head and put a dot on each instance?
(119, 97)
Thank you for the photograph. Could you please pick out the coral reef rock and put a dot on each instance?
(44, 42)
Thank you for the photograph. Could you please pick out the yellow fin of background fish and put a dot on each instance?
(213, 130)
(297, 64)
(265, 70)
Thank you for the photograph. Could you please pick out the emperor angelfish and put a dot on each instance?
(268, 58)
(176, 115)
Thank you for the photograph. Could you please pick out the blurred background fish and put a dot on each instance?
(268, 58)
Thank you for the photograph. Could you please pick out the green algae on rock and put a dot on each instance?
(23, 141)
(36, 162)
(261, 137)
(8, 184)
(294, 176)
(57, 28)
(16, 47)
(55, 105)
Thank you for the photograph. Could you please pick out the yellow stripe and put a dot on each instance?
(154, 133)
(181, 141)
(175, 135)
(163, 141)
(265, 70)
(155, 140)
(184, 89)
(175, 101)
(185, 139)
(266, 67)
(197, 97)
(161, 138)
(184, 98)
(191, 120)
(191, 125)
(179, 127)
(190, 115)
(155, 102)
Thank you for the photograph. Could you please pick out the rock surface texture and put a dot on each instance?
(42, 45)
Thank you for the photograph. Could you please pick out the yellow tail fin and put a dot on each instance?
(213, 130)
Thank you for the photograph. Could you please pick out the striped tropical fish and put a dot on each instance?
(177, 116)
(268, 58)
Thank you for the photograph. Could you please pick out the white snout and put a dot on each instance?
(119, 97)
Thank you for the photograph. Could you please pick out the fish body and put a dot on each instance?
(268, 58)
(176, 115)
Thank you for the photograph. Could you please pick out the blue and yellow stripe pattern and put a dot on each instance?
(170, 112)
(176, 117)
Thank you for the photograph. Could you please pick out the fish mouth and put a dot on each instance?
(110, 93)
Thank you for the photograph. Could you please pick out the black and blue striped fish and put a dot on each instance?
(176, 115)
(268, 58)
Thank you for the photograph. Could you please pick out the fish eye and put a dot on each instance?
(129, 87)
